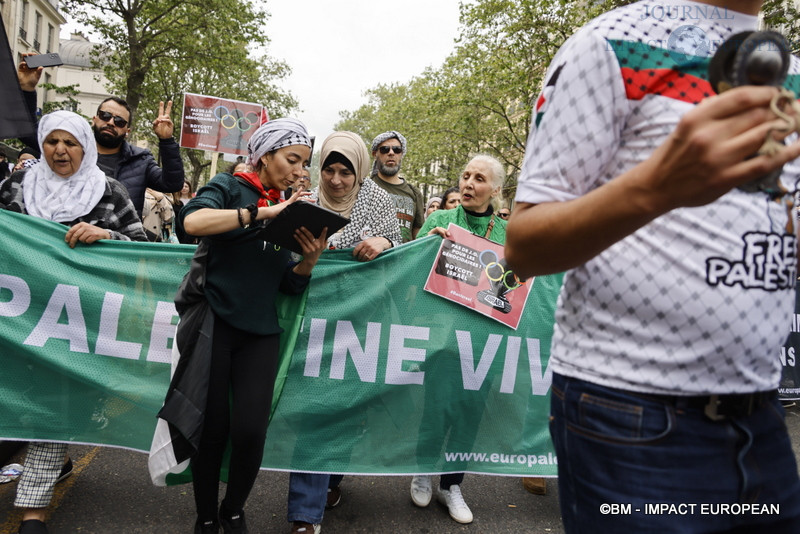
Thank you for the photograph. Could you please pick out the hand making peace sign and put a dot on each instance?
(163, 126)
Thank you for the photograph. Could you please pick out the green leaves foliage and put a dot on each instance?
(155, 50)
(481, 99)
(783, 16)
(69, 92)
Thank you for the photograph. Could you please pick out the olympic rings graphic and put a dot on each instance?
(514, 282)
(488, 252)
(229, 125)
(234, 118)
(219, 115)
(252, 118)
(499, 267)
(510, 280)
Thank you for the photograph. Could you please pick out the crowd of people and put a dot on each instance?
(156, 203)
(664, 381)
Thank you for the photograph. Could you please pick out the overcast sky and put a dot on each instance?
(339, 48)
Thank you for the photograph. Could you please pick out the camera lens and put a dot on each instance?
(763, 67)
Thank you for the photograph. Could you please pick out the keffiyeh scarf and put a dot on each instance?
(275, 134)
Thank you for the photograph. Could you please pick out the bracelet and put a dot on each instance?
(241, 219)
(253, 209)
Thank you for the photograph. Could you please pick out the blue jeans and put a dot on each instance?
(624, 459)
(308, 493)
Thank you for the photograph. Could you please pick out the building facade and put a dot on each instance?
(32, 26)
(77, 53)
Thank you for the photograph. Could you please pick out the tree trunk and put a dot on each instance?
(199, 165)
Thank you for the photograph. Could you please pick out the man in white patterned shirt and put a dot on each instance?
(679, 285)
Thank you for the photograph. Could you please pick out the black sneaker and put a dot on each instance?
(206, 527)
(334, 497)
(32, 526)
(232, 523)
(66, 471)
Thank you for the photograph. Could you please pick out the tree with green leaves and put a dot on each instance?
(69, 102)
(481, 98)
(783, 16)
(155, 50)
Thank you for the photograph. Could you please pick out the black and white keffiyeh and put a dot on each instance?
(50, 196)
(275, 134)
(389, 135)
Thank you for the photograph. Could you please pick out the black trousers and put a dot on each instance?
(243, 371)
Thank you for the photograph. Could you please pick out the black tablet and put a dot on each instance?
(280, 231)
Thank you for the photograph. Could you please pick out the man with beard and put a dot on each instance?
(135, 167)
(388, 149)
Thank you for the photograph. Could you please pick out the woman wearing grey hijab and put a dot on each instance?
(242, 276)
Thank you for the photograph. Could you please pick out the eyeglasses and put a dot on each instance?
(395, 149)
(105, 116)
(503, 215)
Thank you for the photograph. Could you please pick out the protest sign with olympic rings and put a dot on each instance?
(471, 271)
(218, 124)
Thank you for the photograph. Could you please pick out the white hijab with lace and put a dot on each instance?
(48, 195)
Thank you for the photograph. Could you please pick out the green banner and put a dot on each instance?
(378, 376)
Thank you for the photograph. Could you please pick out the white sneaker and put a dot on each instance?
(421, 492)
(454, 501)
(306, 528)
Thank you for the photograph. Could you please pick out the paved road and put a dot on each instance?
(111, 493)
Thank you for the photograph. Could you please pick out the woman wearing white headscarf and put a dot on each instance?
(65, 186)
(372, 229)
(241, 277)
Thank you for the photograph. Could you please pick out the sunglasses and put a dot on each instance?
(503, 215)
(105, 116)
(395, 149)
